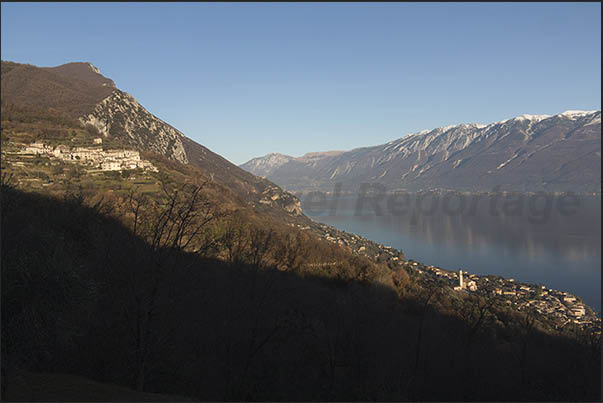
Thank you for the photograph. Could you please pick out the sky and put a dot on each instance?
(247, 79)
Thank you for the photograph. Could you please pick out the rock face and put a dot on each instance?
(274, 196)
(528, 153)
(120, 115)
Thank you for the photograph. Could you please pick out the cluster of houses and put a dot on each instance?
(470, 285)
(357, 244)
(463, 280)
(96, 157)
(559, 308)
(360, 245)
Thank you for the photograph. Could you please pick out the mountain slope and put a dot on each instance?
(527, 153)
(267, 165)
(78, 91)
(72, 89)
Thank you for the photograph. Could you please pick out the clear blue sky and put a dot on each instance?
(249, 79)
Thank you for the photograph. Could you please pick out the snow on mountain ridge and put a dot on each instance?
(573, 113)
(532, 117)
(525, 117)
(495, 149)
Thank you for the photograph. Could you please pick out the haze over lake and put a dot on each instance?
(555, 241)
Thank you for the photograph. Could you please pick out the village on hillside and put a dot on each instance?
(557, 308)
(94, 157)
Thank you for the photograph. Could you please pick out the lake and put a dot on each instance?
(542, 239)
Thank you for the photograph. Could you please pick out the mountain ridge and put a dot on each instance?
(567, 147)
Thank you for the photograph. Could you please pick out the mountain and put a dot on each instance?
(119, 272)
(527, 153)
(72, 89)
(267, 165)
(78, 91)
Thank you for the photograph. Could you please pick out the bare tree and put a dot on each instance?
(525, 331)
(291, 251)
(178, 222)
(8, 179)
(426, 295)
(261, 243)
(475, 313)
(234, 240)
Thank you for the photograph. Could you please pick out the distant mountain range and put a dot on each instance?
(527, 153)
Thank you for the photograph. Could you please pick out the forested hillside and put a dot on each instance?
(85, 294)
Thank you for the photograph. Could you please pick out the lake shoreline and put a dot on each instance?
(561, 251)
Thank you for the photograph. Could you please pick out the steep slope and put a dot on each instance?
(120, 115)
(527, 153)
(72, 89)
(78, 91)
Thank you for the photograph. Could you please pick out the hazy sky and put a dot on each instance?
(249, 79)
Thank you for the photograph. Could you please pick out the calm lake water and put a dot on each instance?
(555, 241)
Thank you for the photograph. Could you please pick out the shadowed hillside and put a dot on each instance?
(84, 294)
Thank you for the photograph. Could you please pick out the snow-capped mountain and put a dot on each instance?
(526, 153)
